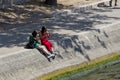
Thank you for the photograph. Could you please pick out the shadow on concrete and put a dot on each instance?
(116, 8)
(102, 43)
(81, 46)
(29, 19)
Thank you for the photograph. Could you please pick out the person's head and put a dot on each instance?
(44, 29)
(34, 33)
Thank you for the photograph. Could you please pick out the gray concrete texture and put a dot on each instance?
(77, 38)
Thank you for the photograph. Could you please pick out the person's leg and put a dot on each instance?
(49, 48)
(41, 48)
(115, 2)
(47, 53)
(52, 50)
(110, 3)
(44, 50)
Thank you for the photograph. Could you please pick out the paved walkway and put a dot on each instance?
(63, 25)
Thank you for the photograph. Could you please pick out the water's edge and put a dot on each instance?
(79, 72)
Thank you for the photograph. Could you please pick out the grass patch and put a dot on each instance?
(68, 71)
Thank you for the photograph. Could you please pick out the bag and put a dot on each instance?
(30, 45)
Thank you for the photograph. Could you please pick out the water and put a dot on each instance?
(108, 73)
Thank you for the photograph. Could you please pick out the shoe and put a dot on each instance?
(49, 56)
(53, 56)
(49, 59)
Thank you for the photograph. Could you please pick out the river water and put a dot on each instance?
(108, 73)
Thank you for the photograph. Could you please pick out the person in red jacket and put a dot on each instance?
(44, 35)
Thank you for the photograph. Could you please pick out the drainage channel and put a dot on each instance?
(107, 68)
(106, 73)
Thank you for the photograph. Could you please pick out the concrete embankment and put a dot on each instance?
(71, 50)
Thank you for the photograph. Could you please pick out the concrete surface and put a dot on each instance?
(77, 37)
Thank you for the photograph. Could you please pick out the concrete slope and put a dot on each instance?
(71, 50)
(77, 37)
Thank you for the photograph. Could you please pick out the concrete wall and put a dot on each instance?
(71, 50)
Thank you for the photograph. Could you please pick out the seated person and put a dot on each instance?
(35, 43)
(44, 35)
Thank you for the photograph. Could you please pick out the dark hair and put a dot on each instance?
(44, 29)
(34, 33)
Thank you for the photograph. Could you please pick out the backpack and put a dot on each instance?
(30, 45)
